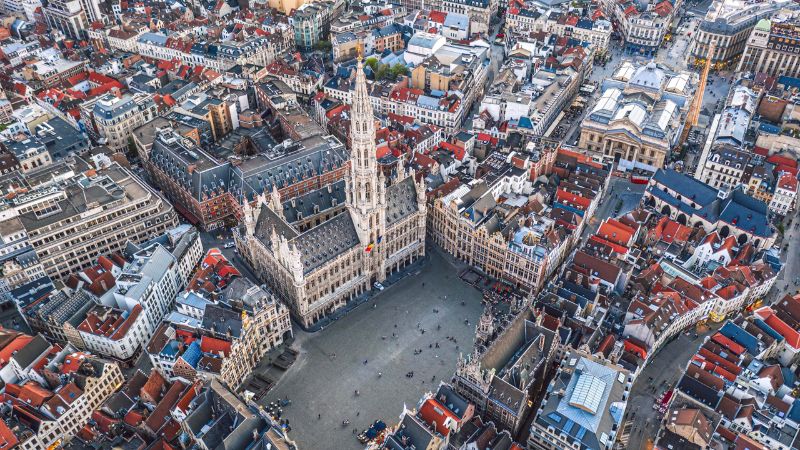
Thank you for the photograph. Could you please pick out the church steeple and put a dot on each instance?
(367, 198)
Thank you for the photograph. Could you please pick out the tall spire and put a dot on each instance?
(367, 198)
(362, 126)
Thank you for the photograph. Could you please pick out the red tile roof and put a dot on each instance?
(14, 346)
(33, 394)
(664, 8)
(7, 438)
(621, 249)
(791, 335)
(133, 418)
(780, 160)
(188, 396)
(437, 16)
(788, 181)
(152, 388)
(571, 199)
(104, 422)
(723, 340)
(73, 362)
(616, 231)
(160, 415)
(436, 415)
(215, 346)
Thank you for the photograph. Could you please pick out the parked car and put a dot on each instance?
(228, 245)
(377, 286)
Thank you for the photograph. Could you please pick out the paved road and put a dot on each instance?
(496, 58)
(665, 369)
(319, 384)
(218, 239)
(700, 8)
(791, 260)
(619, 189)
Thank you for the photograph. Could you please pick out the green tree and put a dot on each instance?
(372, 62)
(384, 71)
(398, 70)
(324, 46)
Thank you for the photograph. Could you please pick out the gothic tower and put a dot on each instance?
(366, 191)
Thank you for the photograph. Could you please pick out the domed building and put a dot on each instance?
(640, 115)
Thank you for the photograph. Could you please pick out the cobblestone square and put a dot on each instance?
(320, 385)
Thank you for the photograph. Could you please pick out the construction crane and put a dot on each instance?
(697, 103)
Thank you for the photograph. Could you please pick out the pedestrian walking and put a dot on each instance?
(319, 416)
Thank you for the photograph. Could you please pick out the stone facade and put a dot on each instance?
(317, 270)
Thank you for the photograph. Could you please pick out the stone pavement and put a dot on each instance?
(665, 368)
(318, 384)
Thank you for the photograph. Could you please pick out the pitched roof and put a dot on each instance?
(7, 438)
(602, 269)
(436, 415)
(791, 335)
(154, 384)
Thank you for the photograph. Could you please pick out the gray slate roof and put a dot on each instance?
(327, 241)
(27, 355)
(267, 219)
(324, 198)
(401, 200)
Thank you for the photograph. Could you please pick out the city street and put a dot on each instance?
(660, 375)
(790, 256)
(619, 190)
(322, 386)
(218, 239)
(496, 57)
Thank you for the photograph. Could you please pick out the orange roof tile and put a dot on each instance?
(7, 438)
(436, 415)
(791, 336)
(33, 394)
(215, 346)
(14, 346)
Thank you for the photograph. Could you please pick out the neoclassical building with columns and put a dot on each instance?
(324, 248)
(639, 117)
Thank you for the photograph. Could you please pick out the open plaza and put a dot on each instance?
(372, 340)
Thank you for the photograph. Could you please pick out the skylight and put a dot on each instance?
(588, 393)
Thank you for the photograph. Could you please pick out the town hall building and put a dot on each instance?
(324, 248)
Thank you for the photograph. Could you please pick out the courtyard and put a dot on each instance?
(322, 386)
